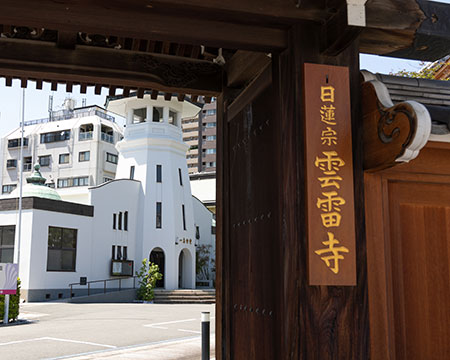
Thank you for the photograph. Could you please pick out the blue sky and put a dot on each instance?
(36, 101)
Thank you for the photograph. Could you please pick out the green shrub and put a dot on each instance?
(14, 301)
(148, 274)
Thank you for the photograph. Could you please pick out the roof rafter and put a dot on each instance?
(108, 67)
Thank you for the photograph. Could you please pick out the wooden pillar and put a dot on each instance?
(265, 307)
(318, 322)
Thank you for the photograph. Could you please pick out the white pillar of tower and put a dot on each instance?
(146, 147)
(130, 113)
(166, 114)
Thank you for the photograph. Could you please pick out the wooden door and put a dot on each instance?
(409, 261)
(253, 238)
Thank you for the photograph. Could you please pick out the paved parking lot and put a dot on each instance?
(63, 330)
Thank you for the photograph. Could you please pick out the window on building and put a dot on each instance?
(139, 115)
(210, 112)
(13, 143)
(119, 253)
(211, 124)
(27, 163)
(112, 158)
(197, 232)
(64, 158)
(157, 114)
(44, 160)
(211, 137)
(125, 253)
(125, 220)
(184, 218)
(172, 117)
(132, 172)
(11, 163)
(158, 215)
(6, 189)
(62, 249)
(107, 134)
(86, 132)
(114, 221)
(159, 173)
(180, 177)
(84, 156)
(113, 252)
(120, 221)
(72, 182)
(55, 136)
(210, 151)
(106, 179)
(212, 164)
(7, 235)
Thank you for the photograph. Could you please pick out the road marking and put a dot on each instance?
(19, 341)
(57, 339)
(190, 331)
(80, 342)
(25, 315)
(129, 347)
(167, 322)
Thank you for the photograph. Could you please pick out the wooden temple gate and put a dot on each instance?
(266, 307)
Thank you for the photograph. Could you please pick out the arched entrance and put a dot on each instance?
(185, 280)
(157, 257)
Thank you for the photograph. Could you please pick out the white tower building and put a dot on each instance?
(152, 151)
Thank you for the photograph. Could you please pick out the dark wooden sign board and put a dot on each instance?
(329, 176)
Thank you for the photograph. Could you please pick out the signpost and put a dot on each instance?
(8, 284)
(329, 176)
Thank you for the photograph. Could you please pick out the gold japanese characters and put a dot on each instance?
(329, 180)
(330, 163)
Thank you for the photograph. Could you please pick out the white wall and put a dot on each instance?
(109, 198)
(40, 278)
(12, 218)
(34, 247)
(204, 220)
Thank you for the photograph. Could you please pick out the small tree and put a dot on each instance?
(148, 274)
(202, 262)
(14, 304)
(426, 72)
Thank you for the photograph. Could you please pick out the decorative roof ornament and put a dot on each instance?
(36, 177)
(36, 187)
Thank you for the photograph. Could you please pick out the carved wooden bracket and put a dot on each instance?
(392, 133)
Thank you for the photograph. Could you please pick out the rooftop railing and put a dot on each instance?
(72, 114)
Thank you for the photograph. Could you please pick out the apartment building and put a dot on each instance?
(199, 133)
(75, 147)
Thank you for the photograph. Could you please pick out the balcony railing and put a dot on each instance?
(85, 135)
(107, 138)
